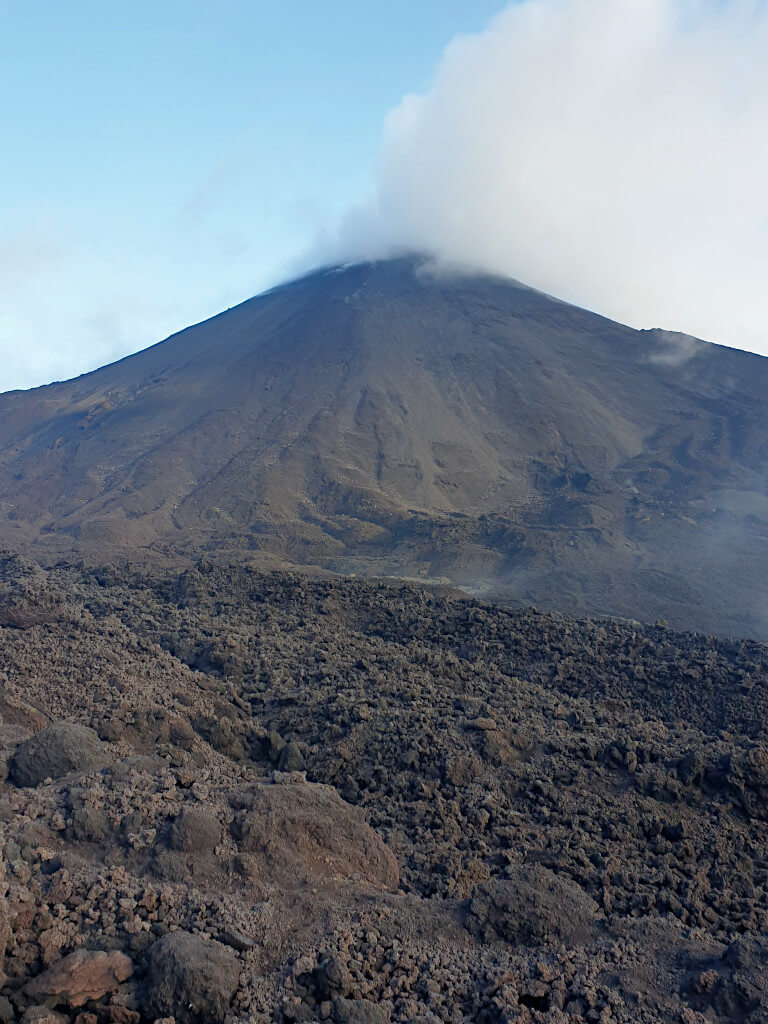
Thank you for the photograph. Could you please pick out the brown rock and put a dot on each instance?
(5, 933)
(57, 750)
(122, 1015)
(303, 831)
(81, 976)
(532, 906)
(196, 830)
(7, 1013)
(190, 978)
(43, 1015)
(482, 725)
(361, 1011)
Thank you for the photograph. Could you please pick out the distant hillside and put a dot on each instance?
(376, 419)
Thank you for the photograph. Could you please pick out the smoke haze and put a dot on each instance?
(612, 154)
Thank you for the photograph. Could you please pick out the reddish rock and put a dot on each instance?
(81, 976)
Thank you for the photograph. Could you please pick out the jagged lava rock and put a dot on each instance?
(43, 1015)
(81, 976)
(301, 830)
(191, 979)
(532, 906)
(55, 751)
(361, 1011)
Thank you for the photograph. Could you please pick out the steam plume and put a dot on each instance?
(613, 154)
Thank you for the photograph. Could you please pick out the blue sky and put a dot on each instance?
(161, 161)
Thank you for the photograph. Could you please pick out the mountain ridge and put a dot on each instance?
(378, 419)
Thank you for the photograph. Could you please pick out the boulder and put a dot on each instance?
(91, 824)
(532, 906)
(195, 830)
(190, 979)
(43, 1015)
(81, 976)
(55, 751)
(291, 758)
(302, 831)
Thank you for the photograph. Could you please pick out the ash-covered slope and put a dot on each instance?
(378, 419)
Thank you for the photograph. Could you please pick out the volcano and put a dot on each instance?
(388, 419)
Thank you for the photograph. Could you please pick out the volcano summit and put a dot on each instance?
(384, 419)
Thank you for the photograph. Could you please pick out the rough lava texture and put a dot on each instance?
(327, 799)
(191, 979)
(303, 832)
(79, 977)
(532, 906)
(61, 748)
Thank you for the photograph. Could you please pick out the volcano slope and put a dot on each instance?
(264, 796)
(381, 420)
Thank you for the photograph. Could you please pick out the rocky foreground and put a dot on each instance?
(255, 796)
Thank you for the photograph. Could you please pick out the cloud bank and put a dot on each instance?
(614, 154)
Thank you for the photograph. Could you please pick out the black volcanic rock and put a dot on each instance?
(380, 420)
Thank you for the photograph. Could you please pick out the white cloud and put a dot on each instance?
(612, 153)
(74, 298)
(66, 308)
